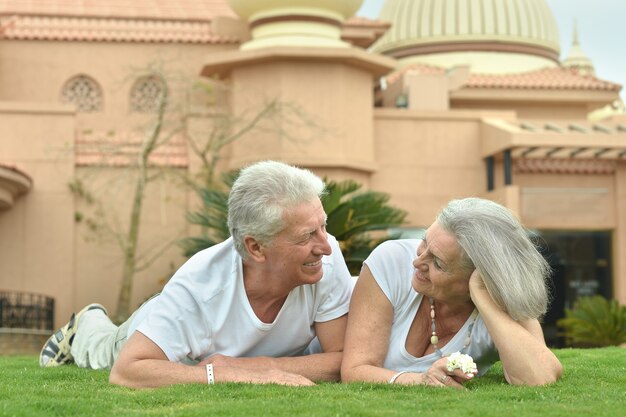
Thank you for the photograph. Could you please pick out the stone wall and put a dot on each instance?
(22, 341)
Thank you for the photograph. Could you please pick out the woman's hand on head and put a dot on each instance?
(476, 282)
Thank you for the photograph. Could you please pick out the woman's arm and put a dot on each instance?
(526, 360)
(367, 341)
(367, 335)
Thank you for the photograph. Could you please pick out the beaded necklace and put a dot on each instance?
(434, 340)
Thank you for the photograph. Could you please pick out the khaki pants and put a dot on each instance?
(98, 341)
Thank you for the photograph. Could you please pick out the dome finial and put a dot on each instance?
(577, 59)
(575, 43)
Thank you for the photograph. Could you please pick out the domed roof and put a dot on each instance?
(421, 27)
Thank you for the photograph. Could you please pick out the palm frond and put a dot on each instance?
(594, 322)
(352, 214)
(212, 217)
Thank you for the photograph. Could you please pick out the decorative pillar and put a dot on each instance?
(296, 58)
(490, 173)
(295, 22)
(508, 176)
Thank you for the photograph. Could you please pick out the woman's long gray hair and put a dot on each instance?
(498, 246)
(261, 195)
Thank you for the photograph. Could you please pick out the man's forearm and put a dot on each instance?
(154, 373)
(316, 367)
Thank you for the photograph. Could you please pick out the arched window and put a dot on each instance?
(146, 93)
(84, 92)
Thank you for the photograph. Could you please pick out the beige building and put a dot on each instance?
(428, 103)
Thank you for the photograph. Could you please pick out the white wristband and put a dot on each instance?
(209, 374)
(393, 378)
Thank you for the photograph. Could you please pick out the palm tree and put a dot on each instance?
(352, 217)
(212, 217)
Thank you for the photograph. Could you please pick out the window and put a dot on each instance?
(84, 92)
(146, 93)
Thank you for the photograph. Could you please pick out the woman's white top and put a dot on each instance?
(391, 265)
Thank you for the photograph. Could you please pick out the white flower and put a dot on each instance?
(461, 361)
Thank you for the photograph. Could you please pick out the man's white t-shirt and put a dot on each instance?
(391, 265)
(204, 309)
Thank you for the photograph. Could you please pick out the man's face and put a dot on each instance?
(295, 255)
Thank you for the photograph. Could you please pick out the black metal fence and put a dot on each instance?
(26, 310)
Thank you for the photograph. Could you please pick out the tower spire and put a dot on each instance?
(576, 58)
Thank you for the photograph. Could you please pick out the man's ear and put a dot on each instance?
(254, 248)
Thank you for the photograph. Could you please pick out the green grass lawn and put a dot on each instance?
(594, 384)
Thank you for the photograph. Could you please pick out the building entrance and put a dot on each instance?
(581, 264)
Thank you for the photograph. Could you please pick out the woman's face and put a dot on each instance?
(438, 270)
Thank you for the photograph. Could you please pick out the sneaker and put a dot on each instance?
(56, 350)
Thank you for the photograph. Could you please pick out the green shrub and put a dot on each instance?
(594, 322)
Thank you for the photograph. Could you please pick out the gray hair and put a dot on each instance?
(260, 197)
(498, 246)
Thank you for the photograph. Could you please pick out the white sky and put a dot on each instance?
(601, 32)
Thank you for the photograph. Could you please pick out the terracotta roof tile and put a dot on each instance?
(545, 79)
(121, 149)
(129, 9)
(364, 21)
(548, 78)
(184, 21)
(417, 68)
(363, 32)
(109, 30)
(564, 166)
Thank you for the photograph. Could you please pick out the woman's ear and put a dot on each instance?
(254, 248)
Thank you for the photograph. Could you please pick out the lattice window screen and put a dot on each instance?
(84, 92)
(146, 93)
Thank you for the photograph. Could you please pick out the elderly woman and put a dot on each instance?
(475, 284)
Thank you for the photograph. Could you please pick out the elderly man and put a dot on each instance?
(246, 310)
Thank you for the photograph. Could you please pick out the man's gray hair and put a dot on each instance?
(498, 246)
(262, 194)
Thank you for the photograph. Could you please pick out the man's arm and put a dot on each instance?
(316, 367)
(142, 364)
